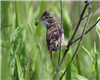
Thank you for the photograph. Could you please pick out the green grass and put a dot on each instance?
(24, 53)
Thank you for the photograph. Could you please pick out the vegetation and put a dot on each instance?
(24, 53)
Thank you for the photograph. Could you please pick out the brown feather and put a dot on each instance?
(54, 31)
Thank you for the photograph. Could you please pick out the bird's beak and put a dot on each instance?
(39, 19)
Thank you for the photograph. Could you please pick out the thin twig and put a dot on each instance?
(78, 44)
(74, 31)
(87, 25)
(79, 21)
(78, 64)
(69, 43)
(79, 8)
(85, 32)
(61, 27)
(64, 62)
(58, 68)
(92, 15)
(71, 19)
(5, 26)
(84, 17)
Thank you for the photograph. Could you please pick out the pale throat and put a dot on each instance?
(45, 23)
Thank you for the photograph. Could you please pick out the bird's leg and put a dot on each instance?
(65, 46)
(52, 61)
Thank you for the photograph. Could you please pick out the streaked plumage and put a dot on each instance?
(54, 31)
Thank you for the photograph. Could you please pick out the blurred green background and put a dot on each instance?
(24, 54)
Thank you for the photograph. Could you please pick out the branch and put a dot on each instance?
(92, 15)
(84, 17)
(71, 19)
(69, 43)
(88, 25)
(60, 36)
(5, 26)
(78, 44)
(79, 8)
(81, 16)
(85, 32)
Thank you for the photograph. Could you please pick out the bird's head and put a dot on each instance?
(47, 19)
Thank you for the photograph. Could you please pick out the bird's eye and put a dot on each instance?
(46, 17)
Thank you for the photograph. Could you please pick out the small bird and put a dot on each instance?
(54, 34)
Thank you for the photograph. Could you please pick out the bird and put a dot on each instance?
(54, 32)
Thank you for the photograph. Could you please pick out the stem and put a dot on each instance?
(78, 44)
(96, 67)
(79, 8)
(69, 43)
(6, 26)
(79, 21)
(60, 36)
(86, 32)
(84, 17)
(78, 64)
(71, 20)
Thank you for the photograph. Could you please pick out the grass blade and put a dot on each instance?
(20, 73)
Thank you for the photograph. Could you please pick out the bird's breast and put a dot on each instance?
(54, 37)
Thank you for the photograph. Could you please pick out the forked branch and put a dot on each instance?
(70, 42)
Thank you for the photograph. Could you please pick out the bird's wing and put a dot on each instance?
(48, 38)
(53, 35)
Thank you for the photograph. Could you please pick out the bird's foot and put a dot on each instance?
(66, 47)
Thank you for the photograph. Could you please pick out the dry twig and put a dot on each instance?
(87, 3)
